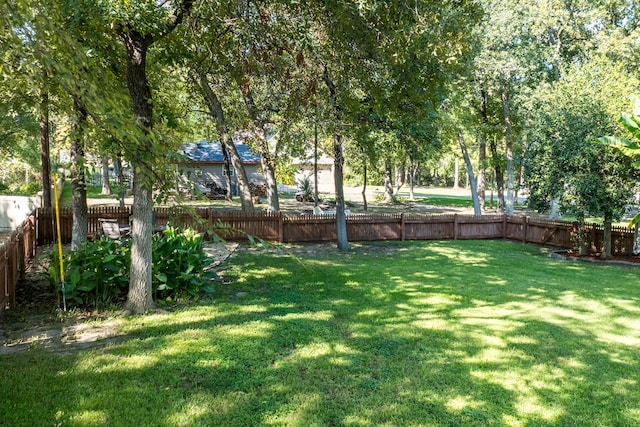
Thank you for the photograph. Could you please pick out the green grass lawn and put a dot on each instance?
(456, 333)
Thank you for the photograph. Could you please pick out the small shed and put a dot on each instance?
(204, 164)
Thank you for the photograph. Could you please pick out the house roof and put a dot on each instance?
(211, 152)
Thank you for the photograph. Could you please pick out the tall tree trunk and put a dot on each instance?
(122, 190)
(106, 187)
(316, 198)
(399, 169)
(227, 172)
(269, 170)
(498, 173)
(244, 191)
(509, 205)
(411, 178)
(482, 148)
(341, 219)
(44, 148)
(217, 113)
(580, 235)
(482, 178)
(364, 188)
(606, 241)
(338, 174)
(521, 169)
(139, 297)
(78, 183)
(388, 184)
(266, 159)
(553, 212)
(472, 181)
(456, 172)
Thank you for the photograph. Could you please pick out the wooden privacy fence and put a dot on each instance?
(39, 229)
(279, 227)
(15, 253)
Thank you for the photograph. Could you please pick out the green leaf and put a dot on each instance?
(108, 258)
(209, 289)
(634, 221)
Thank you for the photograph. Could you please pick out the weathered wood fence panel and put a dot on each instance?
(265, 225)
(15, 253)
(484, 227)
(46, 222)
(235, 225)
(39, 229)
(548, 233)
(308, 228)
(362, 227)
(7, 285)
(426, 227)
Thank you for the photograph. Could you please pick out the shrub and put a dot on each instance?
(380, 197)
(30, 189)
(97, 274)
(179, 264)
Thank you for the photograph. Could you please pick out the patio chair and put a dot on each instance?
(112, 229)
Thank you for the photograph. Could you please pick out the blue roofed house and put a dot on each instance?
(204, 164)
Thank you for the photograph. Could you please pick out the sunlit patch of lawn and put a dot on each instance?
(457, 333)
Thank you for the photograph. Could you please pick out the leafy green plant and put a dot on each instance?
(179, 264)
(28, 189)
(628, 147)
(97, 273)
(379, 197)
(305, 190)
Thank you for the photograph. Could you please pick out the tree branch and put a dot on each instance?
(182, 10)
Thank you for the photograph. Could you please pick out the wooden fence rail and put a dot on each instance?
(278, 227)
(15, 253)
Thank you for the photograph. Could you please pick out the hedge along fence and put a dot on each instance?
(283, 228)
(16, 252)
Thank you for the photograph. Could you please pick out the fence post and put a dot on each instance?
(210, 223)
(504, 226)
(402, 230)
(455, 226)
(13, 270)
(525, 229)
(280, 227)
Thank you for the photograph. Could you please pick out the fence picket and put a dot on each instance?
(15, 253)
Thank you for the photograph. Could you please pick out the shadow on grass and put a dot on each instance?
(431, 333)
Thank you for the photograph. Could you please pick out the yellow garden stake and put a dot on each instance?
(55, 200)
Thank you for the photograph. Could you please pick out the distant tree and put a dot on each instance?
(564, 161)
(630, 147)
